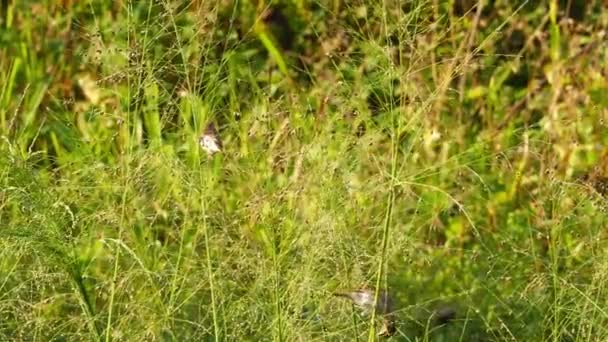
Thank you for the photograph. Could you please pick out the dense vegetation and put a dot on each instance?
(451, 151)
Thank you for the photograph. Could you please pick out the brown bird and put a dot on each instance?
(384, 307)
(210, 140)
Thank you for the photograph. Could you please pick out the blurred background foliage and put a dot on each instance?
(477, 127)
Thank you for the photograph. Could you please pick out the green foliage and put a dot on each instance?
(453, 152)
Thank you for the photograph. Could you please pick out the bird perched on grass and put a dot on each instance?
(365, 299)
(384, 306)
(210, 140)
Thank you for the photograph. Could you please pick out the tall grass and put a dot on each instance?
(450, 152)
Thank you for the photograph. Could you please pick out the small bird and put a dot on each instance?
(210, 140)
(388, 327)
(384, 307)
(365, 299)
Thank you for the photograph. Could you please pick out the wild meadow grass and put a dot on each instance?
(450, 151)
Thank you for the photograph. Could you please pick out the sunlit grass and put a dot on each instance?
(386, 145)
